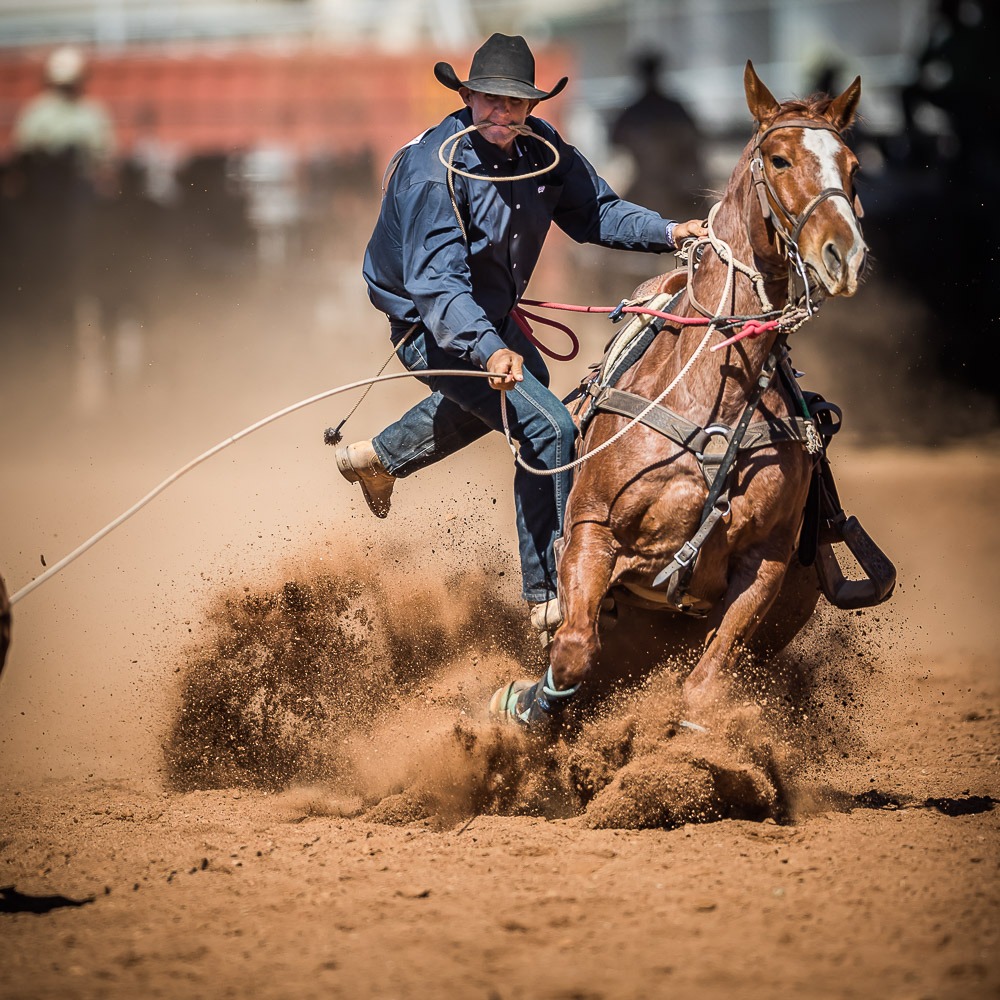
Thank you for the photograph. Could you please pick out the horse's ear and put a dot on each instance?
(760, 100)
(843, 109)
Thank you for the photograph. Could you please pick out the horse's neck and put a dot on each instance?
(739, 224)
(717, 383)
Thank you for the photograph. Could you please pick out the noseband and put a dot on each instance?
(790, 228)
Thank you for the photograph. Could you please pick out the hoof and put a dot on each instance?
(503, 704)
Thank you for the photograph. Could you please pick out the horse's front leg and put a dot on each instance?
(752, 588)
(584, 578)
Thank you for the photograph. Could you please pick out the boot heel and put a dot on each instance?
(343, 459)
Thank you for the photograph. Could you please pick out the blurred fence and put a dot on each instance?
(313, 102)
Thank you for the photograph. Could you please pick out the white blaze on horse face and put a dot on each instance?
(827, 147)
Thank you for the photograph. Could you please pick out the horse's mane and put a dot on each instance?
(814, 106)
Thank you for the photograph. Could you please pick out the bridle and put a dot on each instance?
(787, 225)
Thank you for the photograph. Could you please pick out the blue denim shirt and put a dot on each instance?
(418, 265)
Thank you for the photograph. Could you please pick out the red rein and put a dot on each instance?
(521, 317)
(751, 328)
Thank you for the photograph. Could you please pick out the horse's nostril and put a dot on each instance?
(832, 258)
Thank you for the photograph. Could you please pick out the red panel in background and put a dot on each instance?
(311, 101)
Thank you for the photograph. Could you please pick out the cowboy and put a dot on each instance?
(451, 255)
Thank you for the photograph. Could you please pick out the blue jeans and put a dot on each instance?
(460, 411)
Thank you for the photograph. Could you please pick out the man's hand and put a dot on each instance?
(506, 368)
(692, 228)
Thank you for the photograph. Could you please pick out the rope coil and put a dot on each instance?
(449, 164)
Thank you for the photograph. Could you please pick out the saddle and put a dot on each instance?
(824, 523)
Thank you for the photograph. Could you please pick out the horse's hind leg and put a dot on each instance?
(584, 579)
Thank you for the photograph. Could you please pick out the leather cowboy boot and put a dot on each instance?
(358, 463)
(546, 617)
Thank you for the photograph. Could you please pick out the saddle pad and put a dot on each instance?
(628, 335)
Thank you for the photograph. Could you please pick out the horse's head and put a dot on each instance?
(803, 173)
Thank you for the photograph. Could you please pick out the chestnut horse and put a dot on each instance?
(636, 508)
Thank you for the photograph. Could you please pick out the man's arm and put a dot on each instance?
(436, 274)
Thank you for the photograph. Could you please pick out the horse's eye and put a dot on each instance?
(779, 162)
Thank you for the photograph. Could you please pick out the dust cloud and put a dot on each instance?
(358, 687)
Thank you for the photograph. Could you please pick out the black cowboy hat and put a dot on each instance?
(503, 65)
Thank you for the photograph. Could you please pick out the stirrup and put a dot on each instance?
(880, 574)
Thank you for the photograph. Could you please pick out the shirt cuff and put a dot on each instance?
(671, 226)
(486, 347)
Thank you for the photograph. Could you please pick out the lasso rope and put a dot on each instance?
(136, 507)
(452, 140)
(449, 163)
(752, 327)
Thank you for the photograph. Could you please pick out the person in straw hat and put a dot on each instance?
(465, 213)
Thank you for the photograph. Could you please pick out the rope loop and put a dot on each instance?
(453, 140)
(449, 165)
(521, 317)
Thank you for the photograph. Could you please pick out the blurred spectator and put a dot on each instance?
(955, 80)
(61, 123)
(270, 180)
(944, 166)
(64, 146)
(665, 146)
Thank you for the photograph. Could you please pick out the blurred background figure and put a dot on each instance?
(64, 164)
(954, 83)
(664, 144)
(269, 175)
(944, 166)
(62, 124)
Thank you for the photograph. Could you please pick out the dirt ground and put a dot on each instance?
(840, 842)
